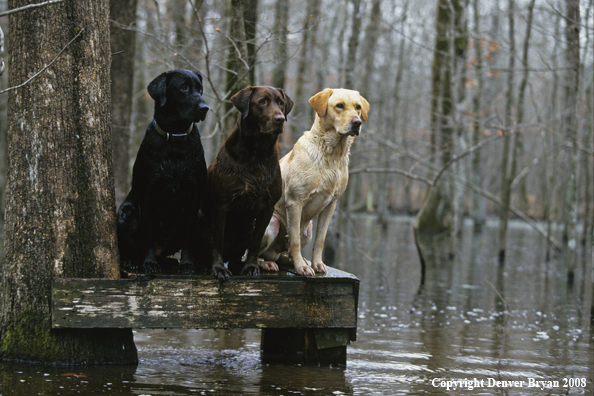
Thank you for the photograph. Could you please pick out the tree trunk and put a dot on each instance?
(250, 19)
(60, 212)
(281, 31)
(478, 202)
(569, 124)
(122, 88)
(351, 61)
(506, 176)
(376, 196)
(177, 15)
(436, 214)
(519, 138)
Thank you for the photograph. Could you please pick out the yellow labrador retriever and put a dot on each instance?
(315, 174)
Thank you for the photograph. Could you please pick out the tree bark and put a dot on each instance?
(122, 86)
(478, 202)
(351, 61)
(241, 52)
(281, 31)
(569, 124)
(60, 212)
(506, 176)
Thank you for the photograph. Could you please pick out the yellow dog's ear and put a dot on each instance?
(320, 101)
(364, 108)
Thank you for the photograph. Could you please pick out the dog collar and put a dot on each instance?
(172, 136)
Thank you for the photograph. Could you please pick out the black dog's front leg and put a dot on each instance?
(150, 263)
(219, 270)
(128, 222)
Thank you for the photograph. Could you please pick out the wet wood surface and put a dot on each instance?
(271, 300)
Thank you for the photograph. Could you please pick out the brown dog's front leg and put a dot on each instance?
(251, 266)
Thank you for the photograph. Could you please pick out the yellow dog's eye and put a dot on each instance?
(340, 105)
(358, 107)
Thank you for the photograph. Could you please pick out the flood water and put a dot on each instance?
(472, 325)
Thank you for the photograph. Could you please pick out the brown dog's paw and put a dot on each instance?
(250, 270)
(221, 273)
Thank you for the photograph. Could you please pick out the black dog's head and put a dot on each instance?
(263, 107)
(179, 92)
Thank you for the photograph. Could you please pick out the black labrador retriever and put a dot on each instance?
(245, 182)
(160, 215)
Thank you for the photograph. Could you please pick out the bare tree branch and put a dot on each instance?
(30, 6)
(42, 70)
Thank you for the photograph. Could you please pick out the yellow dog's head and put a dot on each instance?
(341, 110)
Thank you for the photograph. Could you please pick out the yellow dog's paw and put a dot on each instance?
(305, 270)
(319, 267)
(267, 265)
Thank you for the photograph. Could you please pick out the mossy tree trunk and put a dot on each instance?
(60, 209)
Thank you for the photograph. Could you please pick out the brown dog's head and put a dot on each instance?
(263, 107)
(341, 110)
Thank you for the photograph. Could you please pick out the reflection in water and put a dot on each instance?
(473, 319)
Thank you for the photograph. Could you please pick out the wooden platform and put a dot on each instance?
(305, 319)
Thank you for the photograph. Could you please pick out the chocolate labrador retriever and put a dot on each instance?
(160, 214)
(244, 181)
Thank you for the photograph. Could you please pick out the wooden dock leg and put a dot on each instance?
(306, 346)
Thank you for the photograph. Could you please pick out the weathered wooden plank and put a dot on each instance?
(268, 301)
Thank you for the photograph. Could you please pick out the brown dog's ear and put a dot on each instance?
(241, 100)
(288, 102)
(158, 89)
(320, 101)
(364, 108)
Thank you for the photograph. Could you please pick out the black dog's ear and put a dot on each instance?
(288, 102)
(241, 100)
(200, 79)
(158, 89)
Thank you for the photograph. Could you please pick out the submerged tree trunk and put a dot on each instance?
(122, 86)
(60, 212)
(506, 175)
(569, 125)
(478, 202)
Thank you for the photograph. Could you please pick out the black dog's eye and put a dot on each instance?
(340, 105)
(184, 87)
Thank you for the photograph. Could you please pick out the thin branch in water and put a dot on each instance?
(42, 70)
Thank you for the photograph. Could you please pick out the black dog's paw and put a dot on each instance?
(128, 266)
(250, 270)
(151, 268)
(186, 268)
